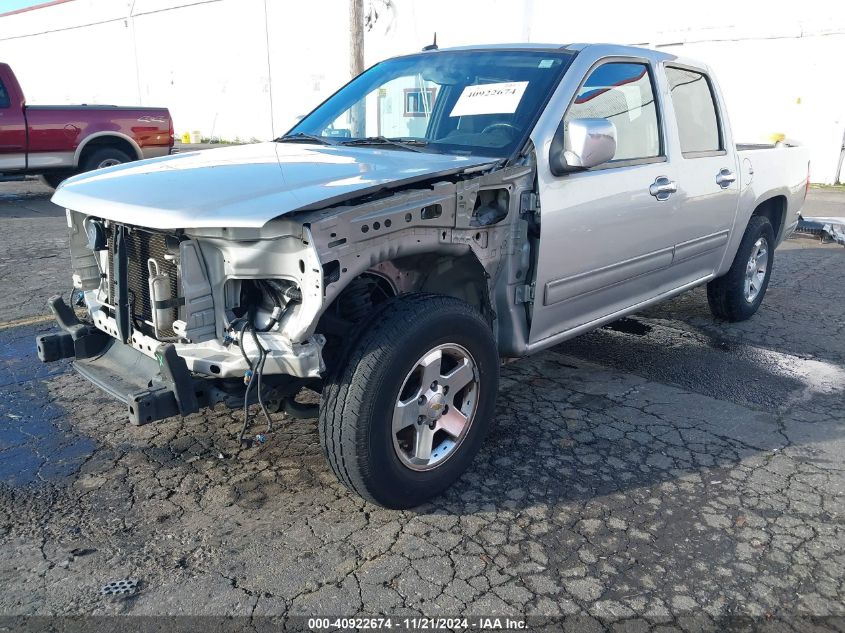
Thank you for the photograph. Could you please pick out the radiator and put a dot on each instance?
(141, 246)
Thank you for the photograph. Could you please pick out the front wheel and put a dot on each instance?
(407, 410)
(738, 294)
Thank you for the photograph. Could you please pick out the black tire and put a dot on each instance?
(726, 295)
(359, 397)
(105, 157)
(54, 179)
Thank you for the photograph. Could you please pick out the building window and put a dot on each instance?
(418, 102)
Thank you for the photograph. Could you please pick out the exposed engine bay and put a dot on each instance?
(261, 312)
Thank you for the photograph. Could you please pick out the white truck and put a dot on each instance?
(441, 212)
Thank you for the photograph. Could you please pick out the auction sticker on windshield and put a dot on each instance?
(501, 98)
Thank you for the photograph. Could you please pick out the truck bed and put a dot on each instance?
(86, 106)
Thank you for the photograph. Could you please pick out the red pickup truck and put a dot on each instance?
(59, 141)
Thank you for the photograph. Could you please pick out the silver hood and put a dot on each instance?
(246, 185)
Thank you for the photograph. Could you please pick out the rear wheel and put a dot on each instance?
(738, 294)
(105, 157)
(408, 408)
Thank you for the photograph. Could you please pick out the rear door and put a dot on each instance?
(706, 170)
(607, 234)
(12, 132)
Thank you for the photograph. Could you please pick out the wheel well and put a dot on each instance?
(461, 277)
(774, 209)
(107, 141)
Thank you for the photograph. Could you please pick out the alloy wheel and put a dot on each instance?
(435, 407)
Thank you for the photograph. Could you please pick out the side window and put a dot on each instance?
(621, 93)
(695, 111)
(4, 96)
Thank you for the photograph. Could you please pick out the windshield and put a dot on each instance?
(457, 102)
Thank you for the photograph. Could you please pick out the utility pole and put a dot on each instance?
(356, 60)
(356, 37)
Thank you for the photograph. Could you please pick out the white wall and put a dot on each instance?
(249, 68)
(229, 68)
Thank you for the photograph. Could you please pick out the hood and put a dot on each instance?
(246, 185)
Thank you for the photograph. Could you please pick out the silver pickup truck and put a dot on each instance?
(441, 212)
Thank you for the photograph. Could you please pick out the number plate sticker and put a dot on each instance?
(500, 98)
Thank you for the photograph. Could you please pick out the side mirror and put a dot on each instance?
(583, 144)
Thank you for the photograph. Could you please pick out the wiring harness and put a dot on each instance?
(281, 296)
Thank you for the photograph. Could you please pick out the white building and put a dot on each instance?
(243, 69)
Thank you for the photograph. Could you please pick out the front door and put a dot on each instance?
(12, 133)
(607, 234)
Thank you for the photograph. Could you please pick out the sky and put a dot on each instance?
(14, 5)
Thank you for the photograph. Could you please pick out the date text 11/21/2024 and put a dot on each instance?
(419, 624)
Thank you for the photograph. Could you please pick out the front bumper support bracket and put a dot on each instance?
(152, 389)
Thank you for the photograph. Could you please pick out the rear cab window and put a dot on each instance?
(699, 131)
(4, 96)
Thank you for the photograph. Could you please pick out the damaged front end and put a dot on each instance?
(178, 321)
(181, 319)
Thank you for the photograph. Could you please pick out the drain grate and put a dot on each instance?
(123, 587)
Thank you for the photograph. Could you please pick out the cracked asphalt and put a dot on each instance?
(667, 472)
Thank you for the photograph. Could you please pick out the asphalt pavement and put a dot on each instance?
(665, 471)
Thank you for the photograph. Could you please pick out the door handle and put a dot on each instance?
(662, 188)
(725, 177)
